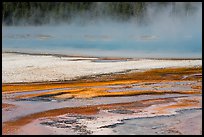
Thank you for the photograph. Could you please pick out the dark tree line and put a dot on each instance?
(38, 13)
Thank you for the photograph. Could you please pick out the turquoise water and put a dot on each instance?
(121, 40)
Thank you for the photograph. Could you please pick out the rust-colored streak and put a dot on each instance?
(5, 105)
(154, 75)
(11, 126)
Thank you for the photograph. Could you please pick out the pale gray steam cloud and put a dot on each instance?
(160, 34)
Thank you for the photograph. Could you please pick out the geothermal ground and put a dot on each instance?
(52, 94)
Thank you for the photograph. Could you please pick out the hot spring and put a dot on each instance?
(180, 38)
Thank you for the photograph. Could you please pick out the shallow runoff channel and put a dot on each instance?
(24, 108)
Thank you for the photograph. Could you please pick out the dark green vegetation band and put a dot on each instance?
(39, 13)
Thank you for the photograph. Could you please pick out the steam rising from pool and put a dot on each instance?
(161, 35)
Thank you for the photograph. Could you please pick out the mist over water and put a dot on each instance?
(161, 35)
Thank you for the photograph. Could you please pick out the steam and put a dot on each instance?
(160, 33)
